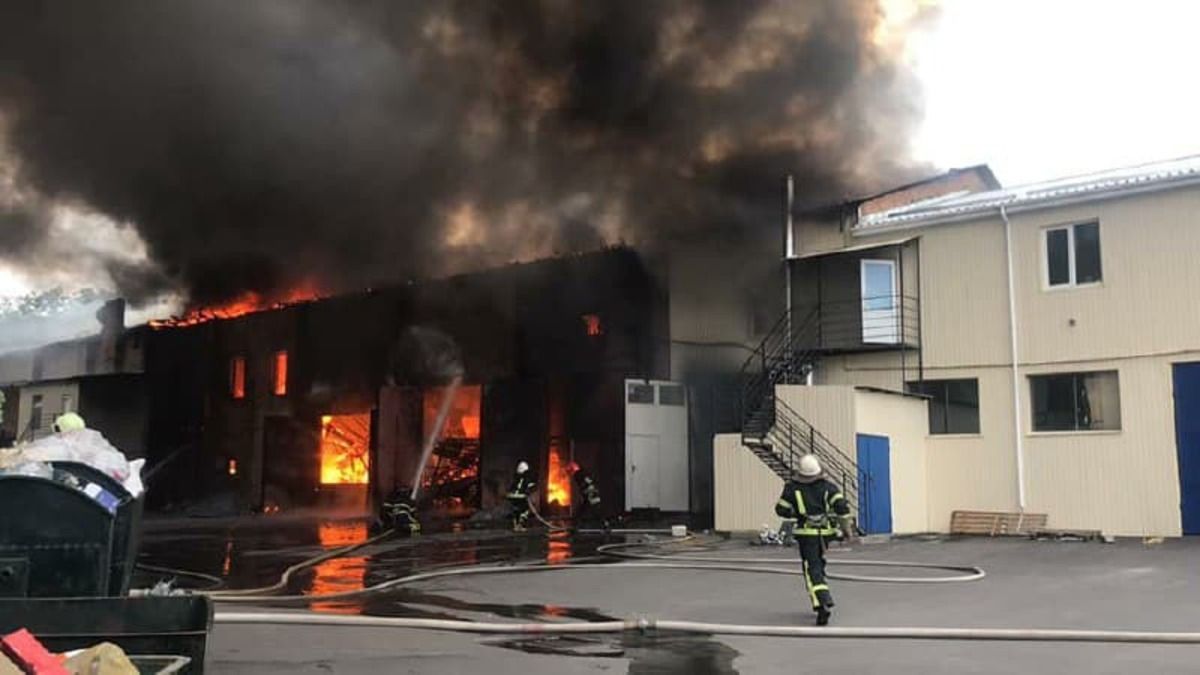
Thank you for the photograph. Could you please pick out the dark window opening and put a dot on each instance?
(953, 405)
(1087, 253)
(670, 394)
(35, 413)
(1076, 402)
(641, 393)
(1058, 257)
(592, 325)
(1073, 255)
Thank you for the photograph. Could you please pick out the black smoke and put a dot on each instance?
(258, 145)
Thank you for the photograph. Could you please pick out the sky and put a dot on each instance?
(1037, 89)
(1042, 89)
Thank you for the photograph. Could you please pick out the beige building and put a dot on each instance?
(1051, 329)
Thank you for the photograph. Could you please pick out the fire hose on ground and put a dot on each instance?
(648, 624)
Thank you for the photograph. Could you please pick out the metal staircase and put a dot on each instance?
(776, 433)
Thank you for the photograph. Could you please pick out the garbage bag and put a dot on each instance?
(86, 446)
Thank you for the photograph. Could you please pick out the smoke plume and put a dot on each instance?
(260, 145)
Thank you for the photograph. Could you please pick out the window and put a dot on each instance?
(953, 405)
(1073, 255)
(280, 378)
(670, 394)
(237, 377)
(592, 325)
(641, 393)
(35, 413)
(1076, 401)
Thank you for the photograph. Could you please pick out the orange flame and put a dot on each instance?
(246, 303)
(558, 482)
(345, 442)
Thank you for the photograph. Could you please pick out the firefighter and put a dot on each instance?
(811, 500)
(399, 514)
(589, 494)
(518, 496)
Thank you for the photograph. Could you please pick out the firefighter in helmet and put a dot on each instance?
(398, 513)
(589, 495)
(813, 502)
(518, 496)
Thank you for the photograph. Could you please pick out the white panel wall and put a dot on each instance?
(745, 490)
(904, 420)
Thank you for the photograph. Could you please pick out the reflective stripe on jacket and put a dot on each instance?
(810, 505)
(521, 488)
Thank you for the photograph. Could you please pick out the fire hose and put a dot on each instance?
(646, 624)
(265, 595)
(650, 624)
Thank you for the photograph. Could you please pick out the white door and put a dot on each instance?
(643, 471)
(656, 445)
(880, 302)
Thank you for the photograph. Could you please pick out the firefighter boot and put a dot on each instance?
(823, 615)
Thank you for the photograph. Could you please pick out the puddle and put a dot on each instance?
(255, 553)
(647, 654)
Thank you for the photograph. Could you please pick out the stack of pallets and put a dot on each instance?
(996, 523)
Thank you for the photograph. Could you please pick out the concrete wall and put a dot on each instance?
(904, 421)
(745, 490)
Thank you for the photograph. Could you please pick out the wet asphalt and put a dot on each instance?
(1128, 585)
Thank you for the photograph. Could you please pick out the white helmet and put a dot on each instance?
(522, 467)
(809, 467)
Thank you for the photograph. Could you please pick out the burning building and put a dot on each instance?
(328, 402)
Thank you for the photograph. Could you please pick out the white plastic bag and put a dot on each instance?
(87, 446)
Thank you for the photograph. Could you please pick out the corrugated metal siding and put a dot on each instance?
(1126, 482)
(1148, 246)
(975, 472)
(963, 294)
(878, 369)
(829, 409)
(815, 236)
(904, 420)
(745, 490)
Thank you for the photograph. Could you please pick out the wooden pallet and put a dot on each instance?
(996, 523)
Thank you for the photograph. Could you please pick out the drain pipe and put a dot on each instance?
(789, 244)
(1016, 376)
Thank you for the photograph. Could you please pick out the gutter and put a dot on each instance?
(1016, 377)
(1011, 207)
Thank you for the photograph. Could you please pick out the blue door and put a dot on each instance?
(874, 484)
(1187, 443)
